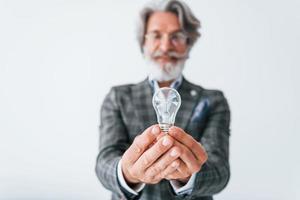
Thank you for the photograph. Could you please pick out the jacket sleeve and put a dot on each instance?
(214, 174)
(113, 143)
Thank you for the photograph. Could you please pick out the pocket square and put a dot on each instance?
(200, 110)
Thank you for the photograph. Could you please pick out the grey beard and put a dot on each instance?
(167, 72)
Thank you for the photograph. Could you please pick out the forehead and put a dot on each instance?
(163, 22)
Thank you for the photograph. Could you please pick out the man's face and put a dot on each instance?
(165, 43)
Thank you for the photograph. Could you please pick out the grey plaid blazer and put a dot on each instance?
(127, 111)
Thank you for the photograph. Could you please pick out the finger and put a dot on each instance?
(193, 165)
(163, 162)
(162, 134)
(181, 172)
(157, 138)
(186, 139)
(141, 143)
(170, 169)
(152, 154)
(174, 175)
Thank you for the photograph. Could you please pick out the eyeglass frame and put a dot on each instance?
(151, 36)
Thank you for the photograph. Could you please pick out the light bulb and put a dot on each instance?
(166, 102)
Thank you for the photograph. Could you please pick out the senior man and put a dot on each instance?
(136, 160)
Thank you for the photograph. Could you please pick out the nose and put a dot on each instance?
(165, 44)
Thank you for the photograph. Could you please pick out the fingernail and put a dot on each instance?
(175, 164)
(166, 141)
(155, 130)
(174, 153)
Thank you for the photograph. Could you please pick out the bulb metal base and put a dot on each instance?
(164, 127)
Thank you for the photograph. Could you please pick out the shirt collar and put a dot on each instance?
(175, 84)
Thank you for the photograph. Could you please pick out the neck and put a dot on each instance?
(165, 83)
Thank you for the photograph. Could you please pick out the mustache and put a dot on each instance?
(171, 54)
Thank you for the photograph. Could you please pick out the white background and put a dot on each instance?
(59, 58)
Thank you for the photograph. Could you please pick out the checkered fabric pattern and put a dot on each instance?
(127, 111)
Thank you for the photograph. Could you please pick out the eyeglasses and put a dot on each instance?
(177, 38)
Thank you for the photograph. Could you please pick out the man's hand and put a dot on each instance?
(193, 155)
(154, 156)
(143, 164)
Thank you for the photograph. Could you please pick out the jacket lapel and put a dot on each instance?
(190, 95)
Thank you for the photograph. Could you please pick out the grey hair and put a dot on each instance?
(188, 22)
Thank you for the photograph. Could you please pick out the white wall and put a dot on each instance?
(59, 58)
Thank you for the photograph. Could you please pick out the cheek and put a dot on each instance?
(181, 49)
(150, 47)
